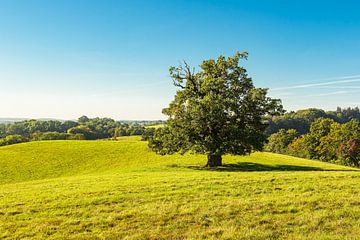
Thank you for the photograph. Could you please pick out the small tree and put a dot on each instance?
(298, 147)
(279, 142)
(319, 128)
(216, 111)
(329, 144)
(349, 151)
(83, 130)
(83, 119)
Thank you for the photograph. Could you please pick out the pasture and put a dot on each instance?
(122, 190)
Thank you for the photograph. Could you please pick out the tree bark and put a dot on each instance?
(214, 160)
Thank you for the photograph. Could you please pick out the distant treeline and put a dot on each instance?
(82, 129)
(301, 120)
(332, 136)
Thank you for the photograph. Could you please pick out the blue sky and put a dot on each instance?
(67, 58)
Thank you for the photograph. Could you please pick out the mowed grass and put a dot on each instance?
(121, 190)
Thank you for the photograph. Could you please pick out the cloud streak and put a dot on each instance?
(321, 95)
(334, 81)
(340, 87)
(329, 94)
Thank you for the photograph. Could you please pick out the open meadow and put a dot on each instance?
(122, 190)
(177, 120)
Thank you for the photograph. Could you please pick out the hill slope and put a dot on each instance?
(119, 189)
(49, 159)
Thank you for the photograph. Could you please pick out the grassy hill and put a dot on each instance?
(119, 189)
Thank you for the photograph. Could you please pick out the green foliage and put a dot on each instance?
(2, 130)
(100, 128)
(279, 142)
(349, 151)
(85, 128)
(83, 120)
(327, 141)
(319, 129)
(344, 115)
(77, 136)
(302, 119)
(39, 136)
(216, 111)
(298, 147)
(12, 139)
(148, 133)
(69, 124)
(330, 143)
(129, 130)
(26, 128)
(121, 190)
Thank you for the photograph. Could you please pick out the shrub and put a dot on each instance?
(12, 139)
(278, 142)
(298, 148)
(84, 130)
(77, 136)
(147, 134)
(54, 136)
(349, 153)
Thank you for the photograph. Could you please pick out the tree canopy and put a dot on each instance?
(327, 141)
(216, 111)
(301, 120)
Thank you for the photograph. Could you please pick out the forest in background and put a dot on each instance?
(83, 129)
(332, 136)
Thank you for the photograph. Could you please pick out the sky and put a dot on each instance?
(63, 59)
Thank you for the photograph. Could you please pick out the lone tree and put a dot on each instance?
(216, 111)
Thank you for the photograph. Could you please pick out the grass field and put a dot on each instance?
(121, 190)
(155, 126)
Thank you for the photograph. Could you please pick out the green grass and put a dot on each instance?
(156, 126)
(119, 189)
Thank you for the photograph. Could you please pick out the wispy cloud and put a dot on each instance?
(330, 93)
(333, 81)
(321, 94)
(340, 87)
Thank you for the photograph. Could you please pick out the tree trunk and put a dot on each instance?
(214, 160)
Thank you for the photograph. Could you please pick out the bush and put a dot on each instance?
(54, 136)
(278, 142)
(349, 153)
(84, 131)
(297, 148)
(147, 134)
(77, 136)
(12, 139)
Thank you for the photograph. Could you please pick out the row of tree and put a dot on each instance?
(301, 120)
(327, 140)
(82, 129)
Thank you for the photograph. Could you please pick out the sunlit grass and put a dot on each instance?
(155, 126)
(119, 189)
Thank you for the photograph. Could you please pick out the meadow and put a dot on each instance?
(121, 190)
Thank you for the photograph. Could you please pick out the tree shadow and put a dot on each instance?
(257, 167)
